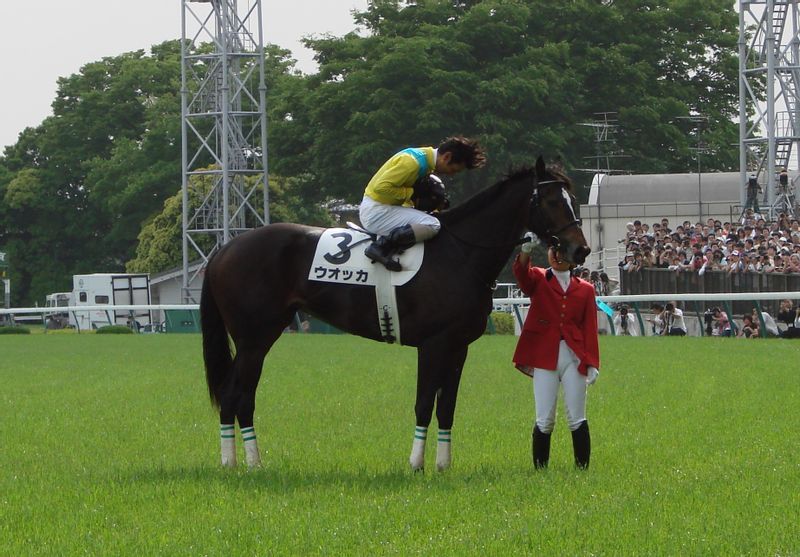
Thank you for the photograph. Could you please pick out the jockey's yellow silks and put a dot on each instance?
(392, 183)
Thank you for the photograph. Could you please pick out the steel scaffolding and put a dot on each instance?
(769, 80)
(225, 175)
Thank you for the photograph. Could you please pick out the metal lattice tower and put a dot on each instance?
(769, 56)
(224, 128)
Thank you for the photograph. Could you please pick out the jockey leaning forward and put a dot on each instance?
(387, 208)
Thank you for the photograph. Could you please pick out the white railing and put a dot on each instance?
(105, 307)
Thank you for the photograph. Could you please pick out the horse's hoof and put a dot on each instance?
(441, 467)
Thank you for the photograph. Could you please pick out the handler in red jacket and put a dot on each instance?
(558, 345)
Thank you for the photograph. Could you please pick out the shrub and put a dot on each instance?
(503, 323)
(114, 330)
(6, 330)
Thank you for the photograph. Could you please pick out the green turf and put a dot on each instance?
(108, 446)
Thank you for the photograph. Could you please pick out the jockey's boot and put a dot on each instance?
(384, 248)
(582, 445)
(541, 448)
(381, 251)
(403, 237)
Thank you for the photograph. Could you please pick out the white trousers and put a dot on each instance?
(381, 219)
(545, 391)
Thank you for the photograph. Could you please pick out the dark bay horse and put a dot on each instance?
(254, 285)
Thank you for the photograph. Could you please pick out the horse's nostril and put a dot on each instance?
(582, 253)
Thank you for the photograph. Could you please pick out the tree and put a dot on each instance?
(79, 187)
(160, 241)
(521, 75)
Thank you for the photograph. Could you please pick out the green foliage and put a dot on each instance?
(503, 322)
(96, 180)
(521, 76)
(159, 247)
(76, 191)
(14, 330)
(687, 456)
(114, 330)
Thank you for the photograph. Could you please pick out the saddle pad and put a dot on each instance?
(340, 258)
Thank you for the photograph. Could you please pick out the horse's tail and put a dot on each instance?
(216, 348)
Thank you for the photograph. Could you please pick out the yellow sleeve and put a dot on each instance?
(392, 183)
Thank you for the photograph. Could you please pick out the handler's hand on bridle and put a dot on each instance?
(527, 247)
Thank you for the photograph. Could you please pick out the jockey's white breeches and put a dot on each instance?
(381, 219)
(545, 391)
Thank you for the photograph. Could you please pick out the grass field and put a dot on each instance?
(109, 446)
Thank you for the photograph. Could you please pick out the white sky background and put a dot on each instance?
(47, 39)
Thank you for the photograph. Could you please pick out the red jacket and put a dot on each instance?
(555, 315)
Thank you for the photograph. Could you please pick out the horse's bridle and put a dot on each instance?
(552, 235)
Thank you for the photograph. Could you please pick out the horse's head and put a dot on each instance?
(553, 214)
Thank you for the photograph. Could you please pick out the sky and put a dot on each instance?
(48, 39)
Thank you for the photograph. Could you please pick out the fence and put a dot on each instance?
(183, 313)
(662, 281)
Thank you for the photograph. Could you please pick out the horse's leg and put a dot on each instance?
(435, 364)
(446, 404)
(239, 399)
(427, 383)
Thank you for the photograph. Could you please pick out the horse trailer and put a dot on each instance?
(100, 289)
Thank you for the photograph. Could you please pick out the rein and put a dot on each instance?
(483, 246)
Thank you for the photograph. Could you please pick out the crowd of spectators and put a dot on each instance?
(668, 320)
(754, 245)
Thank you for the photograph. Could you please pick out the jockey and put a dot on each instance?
(387, 208)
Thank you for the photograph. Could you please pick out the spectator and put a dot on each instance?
(749, 327)
(674, 324)
(793, 264)
(734, 263)
(769, 323)
(656, 321)
(790, 316)
(606, 282)
(753, 189)
(723, 324)
(624, 323)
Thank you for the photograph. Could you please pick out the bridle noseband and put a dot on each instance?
(552, 235)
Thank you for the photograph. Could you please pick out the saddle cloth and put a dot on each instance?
(340, 258)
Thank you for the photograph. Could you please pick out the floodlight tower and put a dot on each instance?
(224, 128)
(769, 56)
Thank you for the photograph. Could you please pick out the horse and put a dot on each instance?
(256, 282)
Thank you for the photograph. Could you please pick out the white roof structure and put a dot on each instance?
(615, 200)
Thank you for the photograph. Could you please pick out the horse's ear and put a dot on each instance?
(541, 169)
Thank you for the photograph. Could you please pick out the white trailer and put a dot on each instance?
(112, 289)
(57, 319)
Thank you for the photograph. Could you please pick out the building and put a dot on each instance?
(615, 200)
(167, 288)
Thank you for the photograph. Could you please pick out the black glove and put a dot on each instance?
(429, 194)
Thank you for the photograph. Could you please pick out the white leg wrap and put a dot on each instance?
(227, 438)
(443, 457)
(251, 447)
(417, 458)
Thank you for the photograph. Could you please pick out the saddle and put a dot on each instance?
(340, 258)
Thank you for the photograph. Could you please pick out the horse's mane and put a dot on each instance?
(488, 195)
(482, 198)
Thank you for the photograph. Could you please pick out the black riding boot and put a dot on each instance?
(382, 249)
(541, 448)
(403, 237)
(582, 445)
